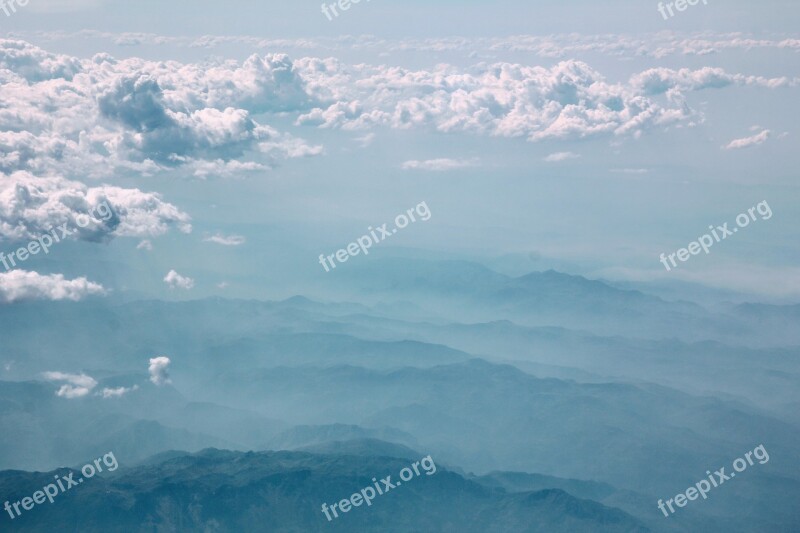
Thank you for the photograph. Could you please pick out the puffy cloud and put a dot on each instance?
(663, 80)
(77, 386)
(439, 165)
(117, 392)
(23, 285)
(755, 140)
(560, 156)
(226, 240)
(159, 370)
(31, 206)
(567, 101)
(176, 281)
(82, 116)
(34, 64)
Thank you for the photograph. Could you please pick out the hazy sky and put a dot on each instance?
(593, 135)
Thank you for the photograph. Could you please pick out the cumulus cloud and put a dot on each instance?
(23, 285)
(568, 101)
(439, 165)
(226, 240)
(86, 116)
(76, 386)
(560, 156)
(83, 117)
(176, 281)
(746, 142)
(159, 370)
(31, 206)
(117, 392)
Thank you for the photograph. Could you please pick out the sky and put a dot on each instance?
(238, 141)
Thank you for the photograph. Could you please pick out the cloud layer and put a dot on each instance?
(86, 117)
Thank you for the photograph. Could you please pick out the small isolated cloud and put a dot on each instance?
(223, 285)
(145, 245)
(365, 140)
(746, 142)
(118, 392)
(630, 170)
(439, 165)
(23, 285)
(77, 386)
(176, 281)
(561, 156)
(226, 240)
(159, 370)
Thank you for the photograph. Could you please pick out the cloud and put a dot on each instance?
(567, 101)
(561, 156)
(553, 46)
(176, 281)
(91, 117)
(98, 116)
(229, 240)
(630, 170)
(439, 165)
(77, 386)
(23, 285)
(117, 392)
(365, 140)
(159, 370)
(755, 140)
(31, 206)
(145, 245)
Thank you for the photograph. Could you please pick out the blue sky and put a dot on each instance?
(665, 127)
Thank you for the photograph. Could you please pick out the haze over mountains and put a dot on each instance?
(540, 417)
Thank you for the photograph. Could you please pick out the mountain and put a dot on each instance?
(225, 491)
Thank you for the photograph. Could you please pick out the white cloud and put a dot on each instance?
(630, 170)
(657, 45)
(440, 165)
(746, 142)
(31, 206)
(92, 117)
(365, 140)
(226, 240)
(176, 281)
(117, 392)
(159, 370)
(23, 285)
(145, 245)
(77, 386)
(100, 116)
(561, 156)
